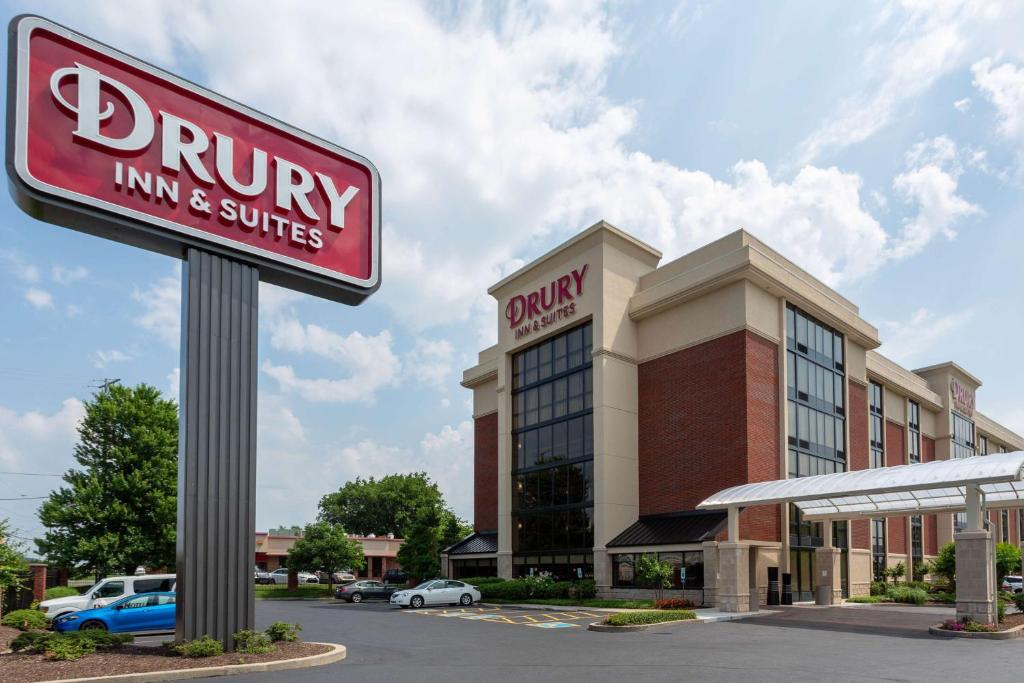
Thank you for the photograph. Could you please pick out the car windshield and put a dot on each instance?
(423, 586)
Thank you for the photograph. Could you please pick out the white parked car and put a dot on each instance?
(281, 576)
(1013, 584)
(340, 577)
(107, 591)
(437, 592)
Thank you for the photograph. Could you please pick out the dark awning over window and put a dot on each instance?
(474, 543)
(672, 529)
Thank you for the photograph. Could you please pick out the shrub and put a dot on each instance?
(33, 641)
(943, 596)
(896, 571)
(649, 617)
(1018, 601)
(945, 564)
(913, 596)
(25, 619)
(654, 574)
(879, 587)
(978, 627)
(252, 642)
(59, 592)
(674, 603)
(201, 647)
(866, 599)
(68, 649)
(952, 625)
(480, 580)
(922, 585)
(584, 589)
(1000, 611)
(102, 639)
(283, 631)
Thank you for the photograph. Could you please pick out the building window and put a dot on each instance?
(1004, 525)
(878, 549)
(553, 446)
(1020, 526)
(876, 425)
(916, 547)
(914, 430)
(963, 437)
(982, 444)
(687, 569)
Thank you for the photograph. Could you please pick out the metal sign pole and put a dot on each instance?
(217, 448)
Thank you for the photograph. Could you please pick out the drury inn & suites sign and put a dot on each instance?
(543, 307)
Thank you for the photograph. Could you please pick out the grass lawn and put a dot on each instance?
(653, 617)
(305, 590)
(569, 602)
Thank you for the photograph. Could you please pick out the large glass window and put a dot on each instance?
(553, 446)
(687, 569)
(916, 547)
(914, 430)
(982, 444)
(878, 549)
(876, 426)
(1004, 526)
(963, 437)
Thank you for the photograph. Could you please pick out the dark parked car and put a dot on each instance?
(364, 590)
(396, 577)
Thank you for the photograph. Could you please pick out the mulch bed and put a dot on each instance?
(7, 634)
(1011, 621)
(23, 668)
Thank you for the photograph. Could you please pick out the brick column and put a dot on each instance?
(828, 573)
(37, 576)
(733, 576)
(975, 576)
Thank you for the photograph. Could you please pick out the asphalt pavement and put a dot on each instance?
(446, 645)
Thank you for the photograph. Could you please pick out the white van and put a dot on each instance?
(107, 591)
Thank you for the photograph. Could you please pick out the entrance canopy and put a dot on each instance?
(939, 486)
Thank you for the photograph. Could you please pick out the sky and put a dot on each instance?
(879, 145)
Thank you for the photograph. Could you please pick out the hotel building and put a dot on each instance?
(621, 393)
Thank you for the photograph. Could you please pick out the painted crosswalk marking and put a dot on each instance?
(496, 615)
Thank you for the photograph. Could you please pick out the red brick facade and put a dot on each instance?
(896, 454)
(485, 473)
(709, 419)
(857, 409)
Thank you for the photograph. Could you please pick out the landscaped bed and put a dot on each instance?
(136, 659)
(304, 590)
(570, 602)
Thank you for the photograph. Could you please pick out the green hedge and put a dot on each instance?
(866, 599)
(649, 617)
(25, 619)
(536, 588)
(913, 596)
(59, 592)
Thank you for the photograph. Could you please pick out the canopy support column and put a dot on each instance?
(975, 570)
(733, 568)
(828, 587)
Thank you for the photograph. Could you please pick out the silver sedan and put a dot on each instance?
(437, 592)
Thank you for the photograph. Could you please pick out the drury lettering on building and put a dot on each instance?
(97, 128)
(963, 397)
(552, 303)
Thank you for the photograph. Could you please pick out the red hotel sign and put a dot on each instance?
(963, 397)
(552, 303)
(102, 142)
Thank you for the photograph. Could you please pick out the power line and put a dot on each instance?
(27, 498)
(33, 474)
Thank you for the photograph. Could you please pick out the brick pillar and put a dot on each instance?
(293, 579)
(37, 576)
(710, 573)
(63, 576)
(975, 576)
(733, 576)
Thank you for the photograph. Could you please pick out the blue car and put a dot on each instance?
(145, 612)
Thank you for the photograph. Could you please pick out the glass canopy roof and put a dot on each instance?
(886, 491)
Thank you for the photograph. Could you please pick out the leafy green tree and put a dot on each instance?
(1007, 561)
(896, 571)
(326, 547)
(383, 506)
(653, 573)
(12, 562)
(120, 510)
(453, 529)
(944, 564)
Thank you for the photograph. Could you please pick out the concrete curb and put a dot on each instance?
(335, 654)
(1009, 634)
(607, 628)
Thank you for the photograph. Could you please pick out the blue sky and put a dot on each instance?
(880, 145)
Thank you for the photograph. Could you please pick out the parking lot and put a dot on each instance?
(488, 643)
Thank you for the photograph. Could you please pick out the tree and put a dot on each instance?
(389, 505)
(326, 547)
(431, 532)
(12, 562)
(944, 563)
(654, 574)
(896, 571)
(1007, 561)
(120, 510)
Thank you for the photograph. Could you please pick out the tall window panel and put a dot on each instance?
(878, 549)
(1004, 526)
(876, 425)
(982, 444)
(914, 431)
(816, 395)
(963, 437)
(916, 546)
(553, 467)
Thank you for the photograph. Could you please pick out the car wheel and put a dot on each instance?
(466, 600)
(93, 626)
(417, 601)
(357, 597)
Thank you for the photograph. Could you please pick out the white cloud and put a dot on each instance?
(162, 314)
(65, 276)
(73, 310)
(33, 440)
(963, 104)
(102, 359)
(1003, 86)
(930, 182)
(39, 298)
(19, 266)
(174, 384)
(430, 361)
(923, 41)
(906, 342)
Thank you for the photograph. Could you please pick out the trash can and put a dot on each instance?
(773, 586)
(787, 589)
